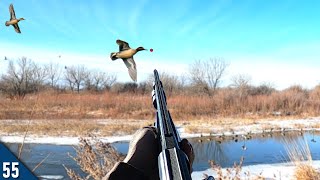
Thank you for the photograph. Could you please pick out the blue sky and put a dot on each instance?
(268, 40)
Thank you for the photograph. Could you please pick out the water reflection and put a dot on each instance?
(256, 149)
(268, 147)
(33, 154)
(209, 150)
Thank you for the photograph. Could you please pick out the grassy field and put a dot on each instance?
(75, 114)
(226, 103)
(109, 113)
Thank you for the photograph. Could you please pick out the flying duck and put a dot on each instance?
(126, 54)
(13, 20)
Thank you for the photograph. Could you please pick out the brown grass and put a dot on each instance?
(300, 155)
(77, 113)
(232, 173)
(95, 158)
(306, 172)
(109, 105)
(70, 127)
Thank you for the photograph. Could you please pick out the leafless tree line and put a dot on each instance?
(203, 78)
(25, 76)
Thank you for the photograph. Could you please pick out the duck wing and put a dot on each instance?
(12, 13)
(132, 68)
(122, 45)
(16, 27)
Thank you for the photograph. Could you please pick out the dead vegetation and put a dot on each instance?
(299, 154)
(233, 173)
(70, 127)
(293, 102)
(95, 159)
(79, 93)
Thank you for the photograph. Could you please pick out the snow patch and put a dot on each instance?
(50, 177)
(283, 171)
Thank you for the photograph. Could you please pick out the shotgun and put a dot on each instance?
(173, 163)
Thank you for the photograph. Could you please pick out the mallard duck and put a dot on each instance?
(126, 54)
(13, 20)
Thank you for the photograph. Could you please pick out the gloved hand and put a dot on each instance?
(144, 150)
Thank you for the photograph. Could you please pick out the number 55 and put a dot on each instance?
(14, 169)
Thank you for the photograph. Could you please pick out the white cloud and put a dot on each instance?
(276, 70)
(145, 66)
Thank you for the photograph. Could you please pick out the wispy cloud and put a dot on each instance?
(93, 61)
(135, 15)
(255, 36)
(280, 71)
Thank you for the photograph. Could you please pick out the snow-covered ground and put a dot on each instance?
(280, 171)
(258, 127)
(269, 171)
(283, 171)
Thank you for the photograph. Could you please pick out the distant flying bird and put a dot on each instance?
(126, 54)
(59, 56)
(5, 58)
(13, 20)
(65, 67)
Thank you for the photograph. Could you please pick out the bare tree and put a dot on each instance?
(172, 83)
(53, 73)
(99, 80)
(197, 72)
(76, 76)
(215, 68)
(183, 79)
(22, 78)
(104, 80)
(207, 74)
(241, 82)
(13, 81)
(265, 88)
(37, 77)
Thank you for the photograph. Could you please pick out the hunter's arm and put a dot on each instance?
(123, 171)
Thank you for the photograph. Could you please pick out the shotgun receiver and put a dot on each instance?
(173, 163)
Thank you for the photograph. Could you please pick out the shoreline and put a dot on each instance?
(274, 126)
(283, 171)
(68, 140)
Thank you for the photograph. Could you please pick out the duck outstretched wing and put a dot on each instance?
(12, 13)
(16, 28)
(132, 68)
(122, 45)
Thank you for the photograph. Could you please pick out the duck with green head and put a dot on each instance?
(126, 54)
(13, 20)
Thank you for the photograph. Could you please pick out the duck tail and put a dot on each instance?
(113, 56)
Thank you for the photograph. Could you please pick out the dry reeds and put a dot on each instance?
(70, 127)
(299, 154)
(232, 173)
(225, 102)
(95, 158)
